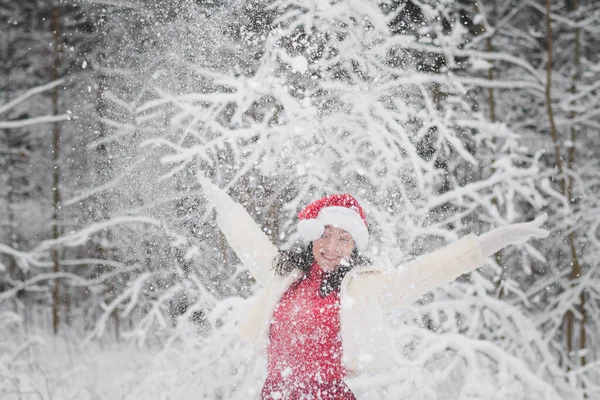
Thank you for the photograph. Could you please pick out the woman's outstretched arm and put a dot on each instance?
(401, 287)
(250, 243)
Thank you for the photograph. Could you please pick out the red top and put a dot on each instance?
(305, 343)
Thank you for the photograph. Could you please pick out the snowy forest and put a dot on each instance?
(443, 118)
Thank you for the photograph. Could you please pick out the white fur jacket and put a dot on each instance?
(366, 292)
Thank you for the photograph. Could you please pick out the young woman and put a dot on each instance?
(320, 314)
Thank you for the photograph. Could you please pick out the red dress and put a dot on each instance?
(305, 346)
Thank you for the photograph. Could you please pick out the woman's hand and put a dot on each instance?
(499, 238)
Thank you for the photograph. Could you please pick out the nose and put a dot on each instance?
(331, 247)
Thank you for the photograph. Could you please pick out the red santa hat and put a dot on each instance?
(338, 210)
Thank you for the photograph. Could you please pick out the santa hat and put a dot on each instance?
(338, 210)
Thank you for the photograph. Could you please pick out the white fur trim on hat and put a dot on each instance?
(339, 217)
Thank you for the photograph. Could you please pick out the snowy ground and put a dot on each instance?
(38, 365)
(64, 367)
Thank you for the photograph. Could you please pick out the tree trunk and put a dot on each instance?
(117, 326)
(492, 105)
(10, 181)
(548, 93)
(576, 268)
(491, 98)
(10, 200)
(575, 265)
(55, 27)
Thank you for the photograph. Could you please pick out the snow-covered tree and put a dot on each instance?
(441, 117)
(340, 101)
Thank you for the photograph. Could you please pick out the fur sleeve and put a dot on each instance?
(250, 243)
(400, 287)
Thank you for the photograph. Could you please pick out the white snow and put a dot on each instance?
(365, 358)
(299, 64)
(259, 120)
(479, 64)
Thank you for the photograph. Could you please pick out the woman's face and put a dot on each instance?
(334, 246)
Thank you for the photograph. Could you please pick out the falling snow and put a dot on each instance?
(154, 157)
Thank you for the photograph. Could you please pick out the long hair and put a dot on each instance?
(303, 259)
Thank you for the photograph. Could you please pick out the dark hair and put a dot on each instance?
(303, 259)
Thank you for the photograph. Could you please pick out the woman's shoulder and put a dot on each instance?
(364, 280)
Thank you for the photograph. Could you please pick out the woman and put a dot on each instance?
(320, 315)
